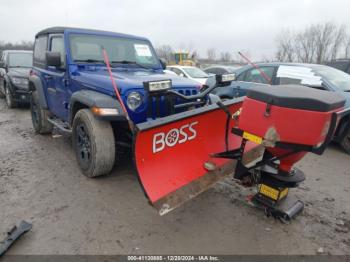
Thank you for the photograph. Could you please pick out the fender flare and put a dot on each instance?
(38, 86)
(89, 99)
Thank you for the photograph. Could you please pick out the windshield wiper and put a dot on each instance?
(89, 61)
(130, 62)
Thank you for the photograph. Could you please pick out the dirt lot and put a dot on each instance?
(41, 183)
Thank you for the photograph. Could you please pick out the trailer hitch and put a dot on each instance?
(14, 234)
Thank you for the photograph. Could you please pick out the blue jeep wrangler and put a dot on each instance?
(72, 91)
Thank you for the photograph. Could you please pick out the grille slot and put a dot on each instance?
(161, 105)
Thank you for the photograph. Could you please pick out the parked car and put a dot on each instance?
(310, 75)
(71, 90)
(14, 72)
(221, 69)
(341, 64)
(190, 72)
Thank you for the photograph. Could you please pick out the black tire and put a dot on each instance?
(94, 144)
(39, 115)
(345, 143)
(8, 96)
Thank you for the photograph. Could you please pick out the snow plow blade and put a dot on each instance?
(173, 154)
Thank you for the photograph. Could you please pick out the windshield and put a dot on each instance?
(20, 60)
(195, 72)
(334, 76)
(88, 48)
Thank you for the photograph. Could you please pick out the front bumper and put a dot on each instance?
(20, 95)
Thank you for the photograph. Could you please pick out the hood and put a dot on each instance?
(97, 77)
(19, 71)
(202, 81)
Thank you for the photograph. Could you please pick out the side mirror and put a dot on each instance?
(182, 75)
(163, 63)
(53, 59)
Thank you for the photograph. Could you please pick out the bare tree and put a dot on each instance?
(195, 55)
(305, 45)
(225, 56)
(347, 48)
(339, 41)
(324, 40)
(165, 52)
(315, 44)
(285, 46)
(211, 54)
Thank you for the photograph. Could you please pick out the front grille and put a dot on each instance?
(163, 104)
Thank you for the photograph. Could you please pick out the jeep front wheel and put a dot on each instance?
(94, 145)
(39, 115)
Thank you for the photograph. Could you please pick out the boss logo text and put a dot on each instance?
(174, 136)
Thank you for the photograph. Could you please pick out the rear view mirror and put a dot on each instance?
(53, 59)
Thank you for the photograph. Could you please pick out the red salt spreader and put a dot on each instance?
(289, 121)
(257, 139)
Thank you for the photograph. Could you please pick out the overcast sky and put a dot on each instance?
(222, 24)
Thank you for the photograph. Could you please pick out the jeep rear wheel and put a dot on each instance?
(39, 115)
(345, 143)
(94, 144)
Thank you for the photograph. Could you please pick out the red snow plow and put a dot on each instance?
(256, 139)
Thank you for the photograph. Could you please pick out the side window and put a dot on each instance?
(57, 45)
(221, 71)
(177, 71)
(254, 75)
(40, 51)
(298, 75)
(241, 76)
(2, 58)
(289, 81)
(213, 71)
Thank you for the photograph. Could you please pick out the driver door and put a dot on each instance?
(57, 78)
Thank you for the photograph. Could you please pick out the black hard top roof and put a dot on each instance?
(62, 29)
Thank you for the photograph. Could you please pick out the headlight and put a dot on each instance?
(134, 100)
(155, 86)
(19, 81)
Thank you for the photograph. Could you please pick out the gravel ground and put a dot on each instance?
(41, 183)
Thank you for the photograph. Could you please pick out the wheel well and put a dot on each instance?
(76, 107)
